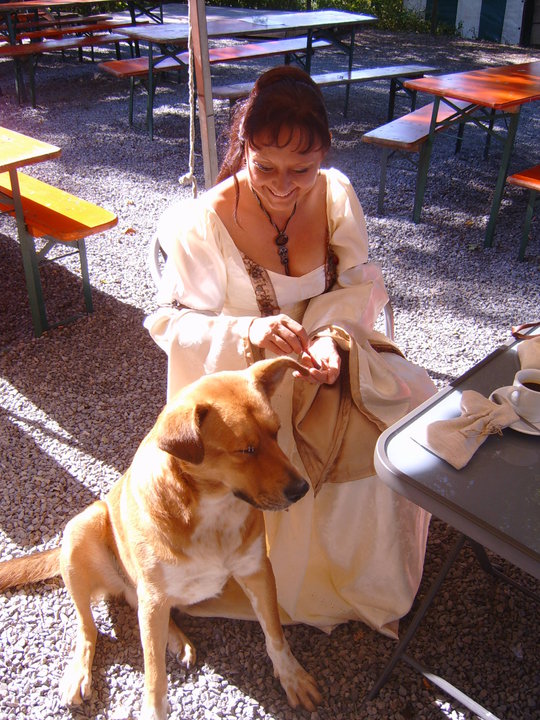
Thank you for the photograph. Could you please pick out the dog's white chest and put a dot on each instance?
(214, 554)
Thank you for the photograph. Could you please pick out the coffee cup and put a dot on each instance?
(525, 394)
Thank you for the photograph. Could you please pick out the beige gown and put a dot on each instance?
(354, 550)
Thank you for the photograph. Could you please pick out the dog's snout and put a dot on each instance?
(296, 489)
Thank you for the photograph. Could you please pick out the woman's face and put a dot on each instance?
(280, 174)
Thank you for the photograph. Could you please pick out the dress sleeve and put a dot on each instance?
(359, 294)
(189, 324)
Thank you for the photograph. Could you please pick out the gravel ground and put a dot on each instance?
(76, 402)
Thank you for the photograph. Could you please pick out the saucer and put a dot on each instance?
(520, 426)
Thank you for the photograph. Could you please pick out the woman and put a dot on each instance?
(273, 260)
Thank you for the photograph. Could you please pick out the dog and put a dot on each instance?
(184, 519)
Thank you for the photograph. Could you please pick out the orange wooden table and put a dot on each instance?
(16, 151)
(490, 92)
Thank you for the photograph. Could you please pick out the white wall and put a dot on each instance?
(468, 17)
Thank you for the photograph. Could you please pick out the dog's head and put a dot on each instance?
(224, 426)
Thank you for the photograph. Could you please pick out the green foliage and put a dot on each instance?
(391, 14)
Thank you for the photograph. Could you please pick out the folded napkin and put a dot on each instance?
(529, 353)
(457, 440)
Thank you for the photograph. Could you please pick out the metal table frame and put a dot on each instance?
(496, 93)
(435, 486)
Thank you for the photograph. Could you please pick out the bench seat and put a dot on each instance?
(58, 217)
(394, 73)
(28, 51)
(530, 180)
(54, 45)
(409, 134)
(137, 68)
(68, 30)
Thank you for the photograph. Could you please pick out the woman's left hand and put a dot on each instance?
(322, 352)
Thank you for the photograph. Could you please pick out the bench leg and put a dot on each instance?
(382, 180)
(527, 225)
(489, 134)
(421, 180)
(459, 139)
(19, 81)
(87, 290)
(131, 99)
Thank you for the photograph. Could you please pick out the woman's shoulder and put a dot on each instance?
(337, 181)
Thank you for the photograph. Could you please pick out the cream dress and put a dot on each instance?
(355, 550)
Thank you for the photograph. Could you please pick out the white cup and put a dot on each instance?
(525, 395)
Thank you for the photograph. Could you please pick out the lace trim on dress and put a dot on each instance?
(263, 287)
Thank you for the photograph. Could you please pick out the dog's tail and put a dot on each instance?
(30, 569)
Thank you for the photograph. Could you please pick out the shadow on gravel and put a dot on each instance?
(103, 396)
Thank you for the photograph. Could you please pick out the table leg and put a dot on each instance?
(423, 163)
(309, 51)
(150, 99)
(30, 262)
(418, 617)
(503, 170)
(348, 86)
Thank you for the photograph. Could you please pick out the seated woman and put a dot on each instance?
(274, 260)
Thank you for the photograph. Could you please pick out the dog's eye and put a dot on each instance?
(249, 450)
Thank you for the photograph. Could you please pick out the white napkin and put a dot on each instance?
(529, 352)
(457, 440)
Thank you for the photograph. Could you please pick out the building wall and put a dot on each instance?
(535, 28)
(499, 20)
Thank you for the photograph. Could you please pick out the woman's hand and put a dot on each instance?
(322, 352)
(278, 333)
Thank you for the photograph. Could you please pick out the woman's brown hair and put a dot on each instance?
(283, 98)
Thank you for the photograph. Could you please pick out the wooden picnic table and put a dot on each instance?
(16, 151)
(9, 10)
(485, 95)
(47, 212)
(330, 25)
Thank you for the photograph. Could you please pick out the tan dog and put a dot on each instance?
(184, 518)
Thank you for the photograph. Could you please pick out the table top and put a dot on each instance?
(177, 32)
(15, 6)
(495, 499)
(17, 150)
(493, 87)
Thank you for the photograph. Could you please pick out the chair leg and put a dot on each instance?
(527, 225)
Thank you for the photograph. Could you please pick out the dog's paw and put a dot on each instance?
(152, 712)
(182, 647)
(299, 685)
(76, 684)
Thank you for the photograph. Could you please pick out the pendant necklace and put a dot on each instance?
(281, 238)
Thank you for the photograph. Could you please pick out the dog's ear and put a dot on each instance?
(178, 432)
(267, 374)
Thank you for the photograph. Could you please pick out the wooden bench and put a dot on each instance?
(67, 30)
(409, 134)
(395, 73)
(27, 53)
(530, 180)
(58, 217)
(137, 68)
